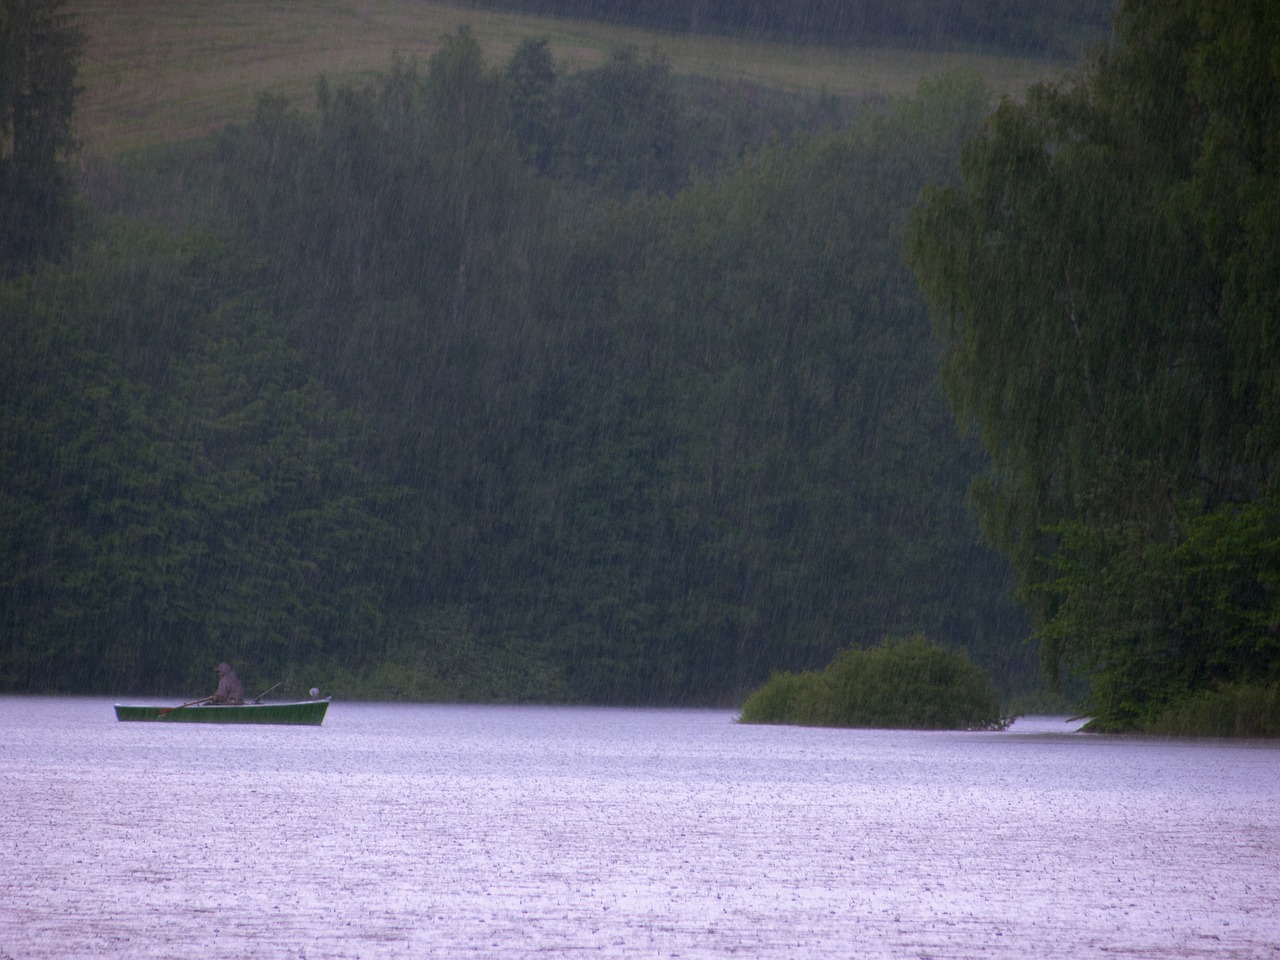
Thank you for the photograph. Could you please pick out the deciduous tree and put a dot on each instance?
(1105, 284)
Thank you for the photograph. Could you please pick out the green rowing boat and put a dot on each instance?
(303, 712)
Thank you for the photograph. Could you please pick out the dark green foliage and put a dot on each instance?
(814, 484)
(1106, 291)
(619, 126)
(902, 683)
(1162, 618)
(531, 78)
(786, 697)
(413, 420)
(177, 487)
(629, 126)
(1232, 710)
(39, 55)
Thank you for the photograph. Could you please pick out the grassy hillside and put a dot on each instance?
(155, 70)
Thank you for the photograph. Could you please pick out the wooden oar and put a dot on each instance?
(165, 710)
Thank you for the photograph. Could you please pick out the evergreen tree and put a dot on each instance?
(620, 126)
(531, 77)
(39, 53)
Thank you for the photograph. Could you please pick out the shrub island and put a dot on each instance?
(905, 682)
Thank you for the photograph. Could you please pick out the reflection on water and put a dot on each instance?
(510, 832)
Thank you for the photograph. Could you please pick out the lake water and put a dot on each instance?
(512, 832)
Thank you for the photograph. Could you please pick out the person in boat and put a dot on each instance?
(230, 689)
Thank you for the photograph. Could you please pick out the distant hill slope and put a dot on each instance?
(1053, 28)
(155, 71)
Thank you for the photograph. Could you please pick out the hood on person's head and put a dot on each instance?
(224, 668)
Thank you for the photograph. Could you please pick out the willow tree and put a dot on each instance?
(1106, 285)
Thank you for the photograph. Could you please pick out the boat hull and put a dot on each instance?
(302, 713)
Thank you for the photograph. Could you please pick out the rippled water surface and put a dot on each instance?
(509, 832)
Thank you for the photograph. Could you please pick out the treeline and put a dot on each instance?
(1105, 282)
(425, 393)
(1047, 27)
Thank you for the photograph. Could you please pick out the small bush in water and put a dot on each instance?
(904, 682)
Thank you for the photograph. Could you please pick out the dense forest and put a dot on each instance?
(486, 382)
(493, 382)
